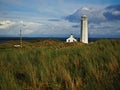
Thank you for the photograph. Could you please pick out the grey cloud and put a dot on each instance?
(94, 15)
(44, 27)
(112, 12)
(105, 29)
(76, 26)
(56, 20)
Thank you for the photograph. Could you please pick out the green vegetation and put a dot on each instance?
(56, 65)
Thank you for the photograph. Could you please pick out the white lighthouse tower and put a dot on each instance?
(84, 29)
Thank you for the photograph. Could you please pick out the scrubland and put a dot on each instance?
(56, 65)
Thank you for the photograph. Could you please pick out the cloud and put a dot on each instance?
(94, 15)
(42, 28)
(53, 8)
(29, 27)
(102, 21)
(76, 26)
(27, 31)
(54, 28)
(116, 13)
(104, 29)
(54, 20)
(62, 28)
(43, 23)
(112, 12)
(5, 24)
(8, 27)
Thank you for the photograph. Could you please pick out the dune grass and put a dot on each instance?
(55, 65)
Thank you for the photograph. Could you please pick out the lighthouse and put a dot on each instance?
(84, 29)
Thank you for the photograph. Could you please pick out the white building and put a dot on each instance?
(84, 29)
(71, 39)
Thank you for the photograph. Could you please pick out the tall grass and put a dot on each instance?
(60, 66)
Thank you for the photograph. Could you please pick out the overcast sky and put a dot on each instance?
(47, 17)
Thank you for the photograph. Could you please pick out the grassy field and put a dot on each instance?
(55, 65)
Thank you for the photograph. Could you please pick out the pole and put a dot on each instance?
(20, 38)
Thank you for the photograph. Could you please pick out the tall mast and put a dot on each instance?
(20, 38)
